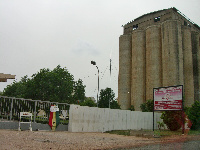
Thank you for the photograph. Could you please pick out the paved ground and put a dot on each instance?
(46, 140)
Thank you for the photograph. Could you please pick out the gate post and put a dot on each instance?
(35, 111)
(11, 109)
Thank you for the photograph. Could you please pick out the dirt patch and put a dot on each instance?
(45, 140)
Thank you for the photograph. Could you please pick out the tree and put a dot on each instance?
(194, 115)
(88, 102)
(173, 119)
(79, 90)
(147, 107)
(106, 96)
(56, 85)
(17, 89)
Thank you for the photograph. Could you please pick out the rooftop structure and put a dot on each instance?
(4, 77)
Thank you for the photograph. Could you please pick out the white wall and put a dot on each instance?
(93, 119)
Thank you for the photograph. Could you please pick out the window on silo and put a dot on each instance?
(135, 26)
(156, 19)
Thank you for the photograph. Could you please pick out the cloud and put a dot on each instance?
(83, 48)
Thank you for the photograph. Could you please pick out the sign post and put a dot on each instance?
(167, 99)
(54, 117)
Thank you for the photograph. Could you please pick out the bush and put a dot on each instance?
(147, 107)
(194, 115)
(132, 108)
(173, 119)
(88, 102)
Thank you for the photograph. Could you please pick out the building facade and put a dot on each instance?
(158, 49)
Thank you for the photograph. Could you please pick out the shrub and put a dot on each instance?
(132, 108)
(194, 115)
(147, 107)
(173, 119)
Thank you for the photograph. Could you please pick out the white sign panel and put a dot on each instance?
(168, 98)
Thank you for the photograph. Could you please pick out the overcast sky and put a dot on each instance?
(36, 34)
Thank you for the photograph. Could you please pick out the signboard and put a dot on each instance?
(54, 109)
(168, 98)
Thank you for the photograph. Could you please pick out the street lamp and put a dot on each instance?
(94, 63)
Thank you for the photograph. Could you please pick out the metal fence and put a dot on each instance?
(10, 108)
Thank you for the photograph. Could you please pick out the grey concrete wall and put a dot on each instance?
(138, 69)
(153, 60)
(196, 63)
(188, 66)
(124, 80)
(93, 119)
(172, 54)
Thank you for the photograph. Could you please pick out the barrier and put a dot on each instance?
(93, 119)
(25, 114)
(10, 108)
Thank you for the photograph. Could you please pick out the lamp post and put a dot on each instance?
(94, 63)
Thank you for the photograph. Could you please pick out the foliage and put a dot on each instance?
(173, 119)
(79, 90)
(147, 107)
(114, 105)
(57, 85)
(194, 115)
(88, 102)
(132, 108)
(161, 125)
(107, 95)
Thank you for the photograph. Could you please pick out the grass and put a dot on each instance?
(194, 132)
(156, 132)
(178, 132)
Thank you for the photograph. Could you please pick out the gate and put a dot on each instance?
(10, 108)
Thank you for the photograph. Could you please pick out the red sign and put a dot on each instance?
(168, 98)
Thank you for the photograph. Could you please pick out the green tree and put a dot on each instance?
(79, 90)
(17, 89)
(194, 115)
(88, 102)
(147, 107)
(56, 85)
(106, 96)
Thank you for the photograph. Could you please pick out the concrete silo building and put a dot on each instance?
(158, 49)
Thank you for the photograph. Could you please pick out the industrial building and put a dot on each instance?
(158, 49)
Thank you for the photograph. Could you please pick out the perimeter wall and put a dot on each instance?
(93, 119)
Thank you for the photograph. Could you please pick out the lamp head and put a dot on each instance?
(93, 62)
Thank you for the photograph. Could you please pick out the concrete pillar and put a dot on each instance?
(138, 69)
(124, 80)
(196, 64)
(153, 60)
(172, 54)
(187, 66)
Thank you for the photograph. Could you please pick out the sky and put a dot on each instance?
(37, 34)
